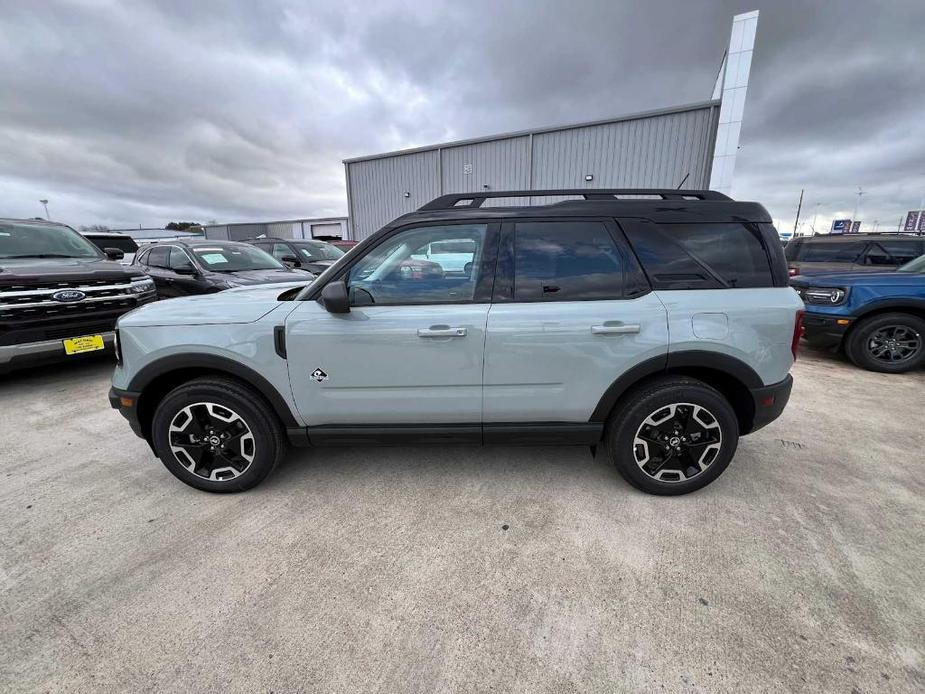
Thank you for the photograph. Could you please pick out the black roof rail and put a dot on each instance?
(452, 200)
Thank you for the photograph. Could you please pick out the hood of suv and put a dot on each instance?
(16, 270)
(850, 279)
(241, 305)
(248, 277)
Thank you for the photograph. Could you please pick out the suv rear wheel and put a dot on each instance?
(889, 342)
(673, 436)
(217, 435)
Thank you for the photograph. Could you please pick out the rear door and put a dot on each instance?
(157, 262)
(570, 314)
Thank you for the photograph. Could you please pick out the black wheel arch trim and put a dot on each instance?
(213, 362)
(664, 363)
(896, 304)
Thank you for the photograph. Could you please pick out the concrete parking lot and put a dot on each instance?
(435, 569)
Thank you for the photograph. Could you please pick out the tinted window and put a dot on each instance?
(158, 256)
(125, 244)
(280, 250)
(37, 240)
(179, 259)
(565, 261)
(318, 250)
(400, 270)
(792, 249)
(902, 250)
(831, 251)
(731, 251)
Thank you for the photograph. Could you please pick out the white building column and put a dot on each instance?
(731, 86)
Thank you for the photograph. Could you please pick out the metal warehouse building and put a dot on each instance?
(321, 227)
(690, 147)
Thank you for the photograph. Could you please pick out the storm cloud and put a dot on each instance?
(128, 113)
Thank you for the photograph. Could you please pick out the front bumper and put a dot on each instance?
(45, 350)
(126, 402)
(825, 330)
(769, 402)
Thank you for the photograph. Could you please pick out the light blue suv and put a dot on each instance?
(658, 323)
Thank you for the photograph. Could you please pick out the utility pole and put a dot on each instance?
(796, 222)
(45, 205)
(815, 214)
(857, 204)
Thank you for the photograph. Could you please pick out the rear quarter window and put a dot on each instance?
(702, 255)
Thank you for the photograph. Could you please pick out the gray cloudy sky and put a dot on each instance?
(128, 113)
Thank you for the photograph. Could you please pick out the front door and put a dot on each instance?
(410, 350)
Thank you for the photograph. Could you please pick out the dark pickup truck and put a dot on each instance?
(60, 295)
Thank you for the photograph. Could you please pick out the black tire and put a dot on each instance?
(259, 435)
(866, 341)
(656, 398)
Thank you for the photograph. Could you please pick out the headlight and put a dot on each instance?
(831, 296)
(142, 286)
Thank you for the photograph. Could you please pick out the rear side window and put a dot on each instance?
(830, 251)
(893, 252)
(566, 261)
(125, 244)
(702, 255)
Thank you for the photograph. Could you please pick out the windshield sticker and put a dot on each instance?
(214, 258)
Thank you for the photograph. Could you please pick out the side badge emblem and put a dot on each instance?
(319, 375)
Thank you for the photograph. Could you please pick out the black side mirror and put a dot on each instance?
(291, 261)
(114, 253)
(185, 270)
(334, 297)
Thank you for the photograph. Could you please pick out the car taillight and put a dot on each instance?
(797, 334)
(792, 271)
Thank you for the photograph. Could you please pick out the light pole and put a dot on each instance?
(857, 204)
(815, 214)
(45, 205)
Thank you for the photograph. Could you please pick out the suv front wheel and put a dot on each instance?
(673, 436)
(889, 342)
(217, 435)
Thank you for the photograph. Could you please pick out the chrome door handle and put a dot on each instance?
(441, 332)
(620, 329)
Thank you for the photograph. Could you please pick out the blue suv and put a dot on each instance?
(877, 318)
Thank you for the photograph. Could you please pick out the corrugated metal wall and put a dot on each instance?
(654, 150)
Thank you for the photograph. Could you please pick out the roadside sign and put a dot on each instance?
(841, 226)
(912, 220)
(921, 221)
(855, 227)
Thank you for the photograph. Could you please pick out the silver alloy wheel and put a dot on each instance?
(211, 441)
(677, 442)
(894, 343)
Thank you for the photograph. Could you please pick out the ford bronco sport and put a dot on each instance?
(658, 323)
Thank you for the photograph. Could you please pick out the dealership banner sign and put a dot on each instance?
(841, 226)
(913, 220)
(855, 227)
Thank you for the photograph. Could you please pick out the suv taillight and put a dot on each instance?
(792, 271)
(797, 334)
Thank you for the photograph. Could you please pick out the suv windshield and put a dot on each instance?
(917, 265)
(41, 241)
(226, 257)
(319, 250)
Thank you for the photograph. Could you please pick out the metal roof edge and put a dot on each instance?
(538, 131)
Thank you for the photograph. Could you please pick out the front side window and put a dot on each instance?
(566, 261)
(179, 260)
(227, 257)
(401, 271)
(41, 241)
(281, 250)
(158, 256)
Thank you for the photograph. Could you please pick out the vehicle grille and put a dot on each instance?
(34, 301)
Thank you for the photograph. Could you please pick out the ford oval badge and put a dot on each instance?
(66, 296)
